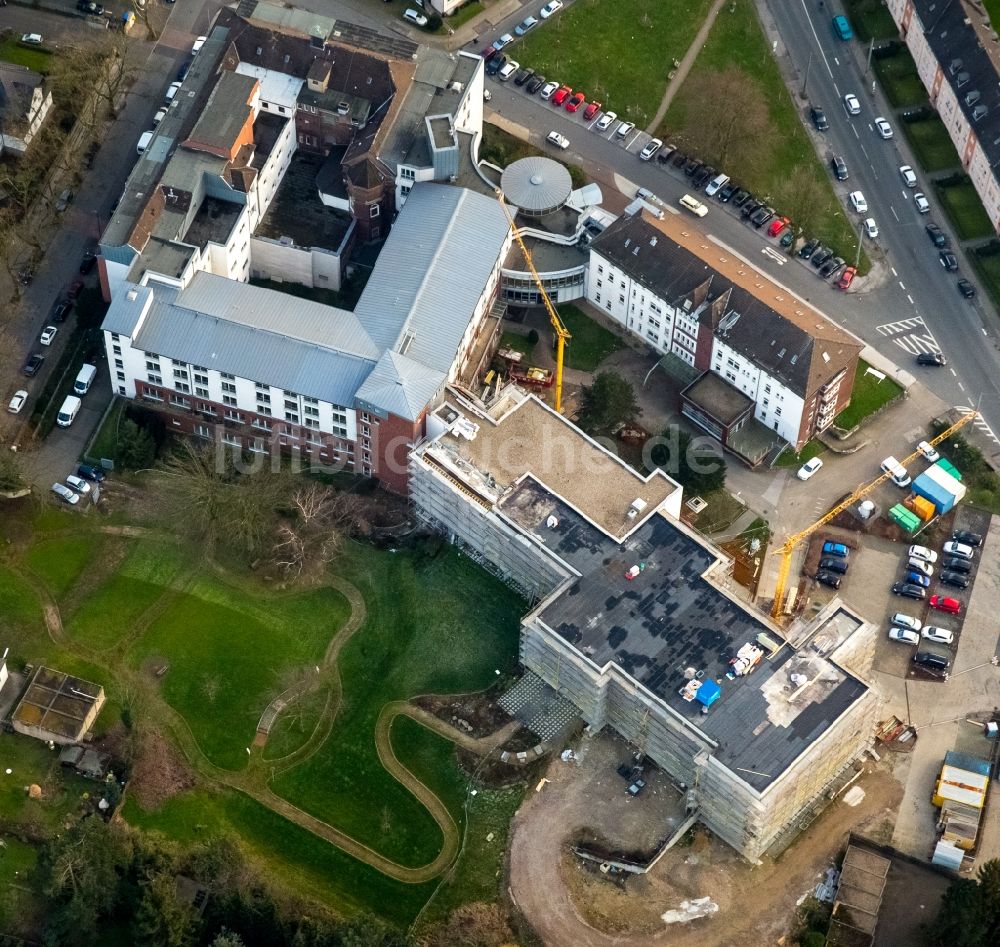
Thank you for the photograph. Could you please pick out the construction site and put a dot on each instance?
(634, 623)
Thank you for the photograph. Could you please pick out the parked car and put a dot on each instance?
(80, 485)
(626, 128)
(945, 604)
(575, 101)
(831, 548)
(922, 552)
(883, 128)
(201, 40)
(917, 578)
(905, 621)
(966, 288)
(523, 75)
(808, 248)
(65, 494)
(172, 90)
(605, 121)
(88, 262)
(918, 565)
(777, 225)
(48, 334)
(904, 635)
(32, 39)
(818, 117)
(17, 402)
(921, 203)
(61, 310)
(548, 90)
(928, 452)
(702, 176)
(529, 23)
(959, 550)
(937, 235)
(833, 564)
(809, 468)
(831, 267)
(858, 202)
(750, 208)
(680, 159)
(761, 216)
(591, 110)
(33, 365)
(956, 579)
(948, 260)
(74, 289)
(534, 84)
(96, 474)
(909, 590)
(933, 359)
(503, 41)
(846, 278)
(908, 175)
(508, 70)
(561, 95)
(554, 138)
(839, 166)
(652, 146)
(968, 537)
(820, 256)
(931, 661)
(725, 194)
(740, 197)
(871, 228)
(551, 7)
(842, 28)
(955, 564)
(829, 579)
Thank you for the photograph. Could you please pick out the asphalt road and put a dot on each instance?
(909, 304)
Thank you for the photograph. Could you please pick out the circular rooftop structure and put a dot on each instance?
(536, 185)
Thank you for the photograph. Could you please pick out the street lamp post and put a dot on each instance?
(861, 237)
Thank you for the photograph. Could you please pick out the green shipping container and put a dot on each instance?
(949, 467)
(900, 515)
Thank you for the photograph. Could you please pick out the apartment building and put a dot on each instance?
(635, 622)
(765, 367)
(25, 102)
(955, 48)
(263, 371)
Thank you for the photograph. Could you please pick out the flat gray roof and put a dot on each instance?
(671, 617)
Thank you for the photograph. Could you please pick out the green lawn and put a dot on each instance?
(965, 210)
(11, 50)
(20, 613)
(105, 443)
(870, 19)
(988, 270)
(59, 563)
(591, 342)
(518, 342)
(737, 41)
(900, 80)
(868, 395)
(618, 53)
(418, 611)
(463, 14)
(722, 511)
(112, 610)
(304, 863)
(229, 651)
(791, 459)
(295, 724)
(931, 144)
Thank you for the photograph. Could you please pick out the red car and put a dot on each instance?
(591, 110)
(945, 604)
(575, 102)
(777, 225)
(489, 51)
(561, 95)
(846, 278)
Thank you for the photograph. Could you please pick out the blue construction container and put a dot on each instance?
(938, 494)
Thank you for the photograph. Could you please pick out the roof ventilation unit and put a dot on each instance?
(979, 112)
(972, 98)
(956, 66)
(636, 507)
(961, 79)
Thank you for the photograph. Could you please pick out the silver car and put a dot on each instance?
(65, 494)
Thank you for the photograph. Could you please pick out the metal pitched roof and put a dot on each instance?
(272, 311)
(401, 386)
(430, 275)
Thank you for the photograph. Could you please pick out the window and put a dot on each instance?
(152, 366)
(117, 349)
(777, 412)
(154, 379)
(115, 337)
(200, 379)
(263, 399)
(229, 387)
(311, 412)
(261, 387)
(257, 445)
(182, 386)
(261, 424)
(119, 363)
(407, 174)
(201, 392)
(174, 361)
(206, 408)
(291, 405)
(120, 375)
(151, 394)
(373, 210)
(263, 409)
(292, 416)
(227, 376)
(597, 298)
(621, 299)
(234, 416)
(229, 399)
(180, 402)
(312, 422)
(288, 430)
(600, 283)
(232, 440)
(121, 389)
(307, 400)
(202, 430)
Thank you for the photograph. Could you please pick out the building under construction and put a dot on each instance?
(633, 620)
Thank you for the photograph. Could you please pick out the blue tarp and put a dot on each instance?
(708, 693)
(971, 764)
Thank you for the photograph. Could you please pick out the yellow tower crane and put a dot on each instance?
(562, 333)
(788, 547)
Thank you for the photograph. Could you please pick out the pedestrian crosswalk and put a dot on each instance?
(979, 424)
(911, 335)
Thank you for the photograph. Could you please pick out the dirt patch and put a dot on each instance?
(580, 906)
(159, 773)
(476, 714)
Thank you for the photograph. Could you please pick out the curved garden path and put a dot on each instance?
(255, 779)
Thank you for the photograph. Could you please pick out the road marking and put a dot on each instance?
(894, 214)
(892, 270)
(836, 88)
(856, 135)
(815, 37)
(960, 385)
(632, 142)
(901, 286)
(985, 332)
(909, 297)
(911, 335)
(774, 255)
(952, 370)
(865, 153)
(979, 423)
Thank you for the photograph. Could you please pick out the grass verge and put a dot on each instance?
(501, 148)
(722, 511)
(899, 79)
(464, 14)
(987, 268)
(965, 210)
(870, 19)
(930, 143)
(12, 51)
(517, 342)
(791, 459)
(619, 54)
(869, 395)
(104, 446)
(591, 342)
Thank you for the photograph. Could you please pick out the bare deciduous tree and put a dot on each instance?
(804, 197)
(313, 533)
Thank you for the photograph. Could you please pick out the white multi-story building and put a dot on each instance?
(767, 361)
(954, 46)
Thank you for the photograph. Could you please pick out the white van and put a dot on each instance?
(692, 204)
(896, 471)
(144, 141)
(69, 410)
(84, 379)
